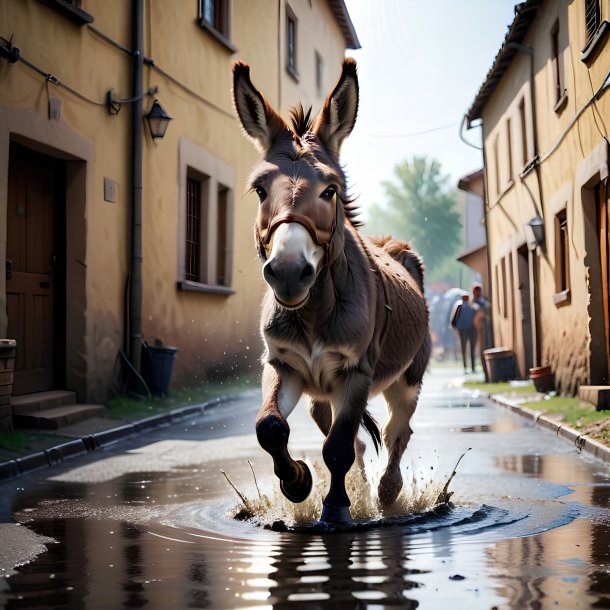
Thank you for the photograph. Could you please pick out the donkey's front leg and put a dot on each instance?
(282, 389)
(338, 451)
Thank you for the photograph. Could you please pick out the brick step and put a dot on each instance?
(39, 401)
(57, 417)
(597, 395)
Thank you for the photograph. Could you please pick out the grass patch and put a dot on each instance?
(18, 441)
(574, 412)
(130, 409)
(502, 387)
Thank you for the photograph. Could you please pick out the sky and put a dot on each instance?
(420, 67)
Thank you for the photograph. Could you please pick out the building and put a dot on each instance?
(544, 110)
(472, 206)
(110, 236)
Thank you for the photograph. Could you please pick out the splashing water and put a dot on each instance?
(265, 510)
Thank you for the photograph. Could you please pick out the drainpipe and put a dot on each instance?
(135, 271)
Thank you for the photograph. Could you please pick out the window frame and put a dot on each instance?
(557, 67)
(217, 195)
(223, 33)
(562, 258)
(292, 64)
(595, 35)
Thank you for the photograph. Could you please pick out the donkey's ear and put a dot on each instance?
(338, 116)
(260, 122)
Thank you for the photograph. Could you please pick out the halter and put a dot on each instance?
(321, 236)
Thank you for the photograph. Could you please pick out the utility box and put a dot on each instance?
(8, 351)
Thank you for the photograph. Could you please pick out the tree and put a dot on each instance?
(422, 209)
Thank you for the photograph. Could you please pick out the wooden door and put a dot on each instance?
(29, 272)
(603, 224)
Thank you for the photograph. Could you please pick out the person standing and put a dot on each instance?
(482, 322)
(462, 319)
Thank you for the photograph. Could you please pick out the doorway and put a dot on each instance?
(36, 268)
(525, 296)
(603, 224)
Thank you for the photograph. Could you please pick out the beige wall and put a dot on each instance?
(580, 158)
(213, 330)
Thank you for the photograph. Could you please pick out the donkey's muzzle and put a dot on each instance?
(290, 280)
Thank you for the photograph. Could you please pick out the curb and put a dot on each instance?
(539, 418)
(100, 440)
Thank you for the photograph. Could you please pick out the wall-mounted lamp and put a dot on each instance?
(158, 120)
(534, 230)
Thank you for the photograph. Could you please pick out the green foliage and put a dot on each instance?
(420, 208)
(500, 387)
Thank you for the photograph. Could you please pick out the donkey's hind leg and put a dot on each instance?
(401, 398)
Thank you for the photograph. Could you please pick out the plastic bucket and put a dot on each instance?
(157, 366)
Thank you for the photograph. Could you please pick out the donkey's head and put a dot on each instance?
(299, 181)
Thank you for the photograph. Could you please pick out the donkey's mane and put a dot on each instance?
(302, 122)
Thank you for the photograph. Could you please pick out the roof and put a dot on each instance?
(466, 181)
(525, 12)
(345, 23)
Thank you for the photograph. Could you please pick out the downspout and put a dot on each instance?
(135, 271)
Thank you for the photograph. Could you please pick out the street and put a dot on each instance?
(149, 521)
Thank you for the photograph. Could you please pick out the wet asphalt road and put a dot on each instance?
(149, 521)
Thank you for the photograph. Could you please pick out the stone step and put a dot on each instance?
(597, 395)
(57, 417)
(39, 401)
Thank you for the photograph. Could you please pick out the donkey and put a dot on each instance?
(344, 316)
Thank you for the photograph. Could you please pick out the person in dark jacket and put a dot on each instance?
(462, 320)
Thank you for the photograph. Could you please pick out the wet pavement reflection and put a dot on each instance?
(147, 523)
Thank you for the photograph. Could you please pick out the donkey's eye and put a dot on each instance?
(329, 193)
(261, 192)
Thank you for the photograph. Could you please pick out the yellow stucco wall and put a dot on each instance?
(211, 331)
(565, 329)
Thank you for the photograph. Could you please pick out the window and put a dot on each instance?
(562, 260)
(193, 230)
(319, 74)
(592, 19)
(524, 143)
(504, 296)
(557, 66)
(497, 163)
(215, 18)
(71, 9)
(205, 221)
(509, 151)
(291, 42)
(596, 31)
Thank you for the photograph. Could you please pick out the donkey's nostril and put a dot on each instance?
(268, 271)
(307, 272)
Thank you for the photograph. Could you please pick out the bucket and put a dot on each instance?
(157, 365)
(8, 350)
(542, 376)
(500, 364)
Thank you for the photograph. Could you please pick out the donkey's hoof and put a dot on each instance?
(389, 488)
(335, 514)
(300, 488)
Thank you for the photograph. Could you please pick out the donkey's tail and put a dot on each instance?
(372, 427)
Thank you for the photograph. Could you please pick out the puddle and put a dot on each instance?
(153, 525)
